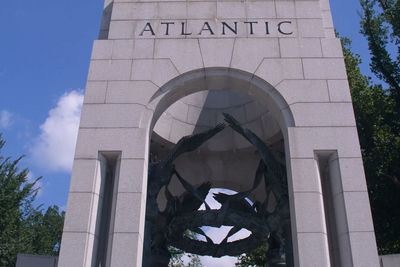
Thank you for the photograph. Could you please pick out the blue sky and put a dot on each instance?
(45, 52)
(45, 48)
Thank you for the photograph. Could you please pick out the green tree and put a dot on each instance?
(23, 228)
(377, 110)
(46, 230)
(380, 24)
(16, 197)
(258, 257)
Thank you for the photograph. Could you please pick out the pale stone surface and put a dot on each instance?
(313, 249)
(168, 48)
(230, 10)
(130, 92)
(216, 52)
(353, 174)
(324, 68)
(248, 53)
(202, 10)
(285, 9)
(172, 10)
(323, 114)
(130, 141)
(111, 115)
(135, 11)
(83, 177)
(260, 9)
(102, 49)
(309, 212)
(130, 177)
(330, 32)
(298, 80)
(358, 211)
(310, 28)
(390, 260)
(163, 126)
(327, 20)
(125, 250)
(143, 48)
(339, 91)
(74, 252)
(305, 176)
(95, 92)
(276, 70)
(126, 215)
(305, 140)
(121, 29)
(307, 9)
(363, 248)
(81, 207)
(331, 47)
(180, 129)
(103, 70)
(325, 5)
(180, 110)
(158, 71)
(300, 47)
(306, 91)
(122, 49)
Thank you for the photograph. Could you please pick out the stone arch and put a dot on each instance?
(222, 79)
(218, 78)
(215, 163)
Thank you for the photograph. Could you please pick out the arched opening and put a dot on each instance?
(195, 102)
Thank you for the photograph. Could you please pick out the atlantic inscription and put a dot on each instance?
(222, 28)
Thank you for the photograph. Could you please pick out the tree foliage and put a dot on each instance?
(258, 257)
(16, 196)
(23, 228)
(377, 111)
(46, 230)
(381, 25)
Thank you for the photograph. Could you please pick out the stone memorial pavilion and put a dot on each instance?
(165, 69)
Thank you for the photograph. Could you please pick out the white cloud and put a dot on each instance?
(54, 148)
(5, 119)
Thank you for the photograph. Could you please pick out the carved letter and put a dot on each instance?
(229, 27)
(266, 28)
(167, 26)
(280, 29)
(206, 27)
(183, 30)
(147, 28)
(251, 25)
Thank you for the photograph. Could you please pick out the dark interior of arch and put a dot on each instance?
(225, 157)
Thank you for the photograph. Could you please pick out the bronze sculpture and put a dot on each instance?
(167, 228)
